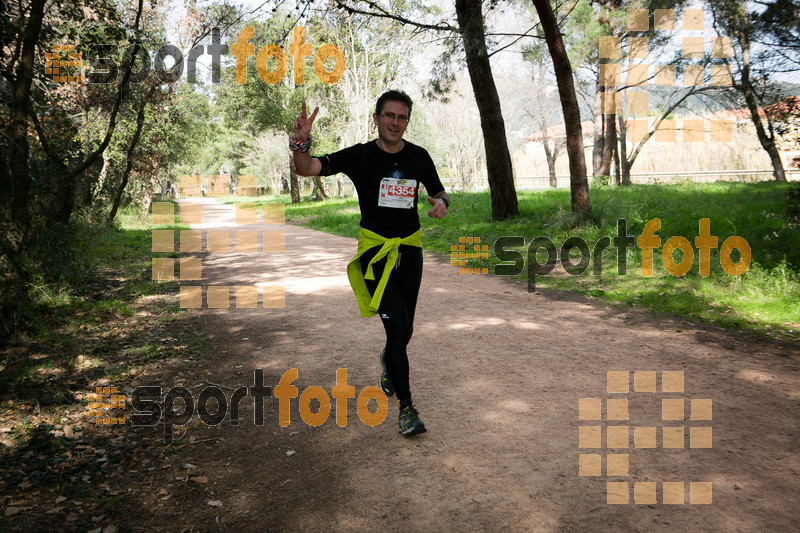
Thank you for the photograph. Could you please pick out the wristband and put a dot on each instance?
(297, 146)
(445, 200)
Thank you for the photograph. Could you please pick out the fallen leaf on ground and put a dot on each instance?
(214, 503)
(199, 479)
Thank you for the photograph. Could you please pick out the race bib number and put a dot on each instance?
(398, 193)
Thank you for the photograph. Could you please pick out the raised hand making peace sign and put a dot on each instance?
(302, 124)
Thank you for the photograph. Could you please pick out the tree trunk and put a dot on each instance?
(626, 173)
(617, 178)
(498, 159)
(551, 158)
(475, 173)
(549, 154)
(625, 166)
(608, 147)
(18, 145)
(150, 187)
(65, 199)
(599, 139)
(129, 159)
(767, 141)
(579, 185)
(101, 180)
(294, 181)
(322, 187)
(551, 168)
(339, 187)
(90, 177)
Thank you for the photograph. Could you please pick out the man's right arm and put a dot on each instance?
(304, 163)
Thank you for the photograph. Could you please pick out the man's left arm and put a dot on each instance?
(439, 205)
(440, 202)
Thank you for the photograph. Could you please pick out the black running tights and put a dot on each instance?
(397, 309)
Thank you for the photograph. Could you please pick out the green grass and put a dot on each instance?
(765, 299)
(92, 313)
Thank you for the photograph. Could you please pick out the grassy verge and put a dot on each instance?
(765, 299)
(105, 323)
(104, 307)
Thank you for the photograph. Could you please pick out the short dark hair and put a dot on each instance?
(393, 96)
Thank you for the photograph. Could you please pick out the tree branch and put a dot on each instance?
(383, 13)
(112, 124)
(664, 115)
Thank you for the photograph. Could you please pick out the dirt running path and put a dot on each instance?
(497, 375)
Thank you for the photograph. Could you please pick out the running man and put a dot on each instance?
(386, 173)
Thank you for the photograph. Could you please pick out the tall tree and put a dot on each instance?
(246, 100)
(570, 107)
(779, 29)
(588, 22)
(470, 27)
(498, 159)
(377, 59)
(20, 109)
(459, 142)
(538, 58)
(29, 80)
(753, 69)
(638, 139)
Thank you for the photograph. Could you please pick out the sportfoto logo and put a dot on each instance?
(626, 78)
(614, 451)
(190, 267)
(460, 253)
(106, 69)
(104, 400)
(179, 403)
(647, 242)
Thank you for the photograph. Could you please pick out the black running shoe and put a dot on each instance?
(386, 382)
(410, 424)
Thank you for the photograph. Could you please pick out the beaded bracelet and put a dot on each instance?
(298, 146)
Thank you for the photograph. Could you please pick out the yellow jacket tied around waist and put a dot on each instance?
(369, 304)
